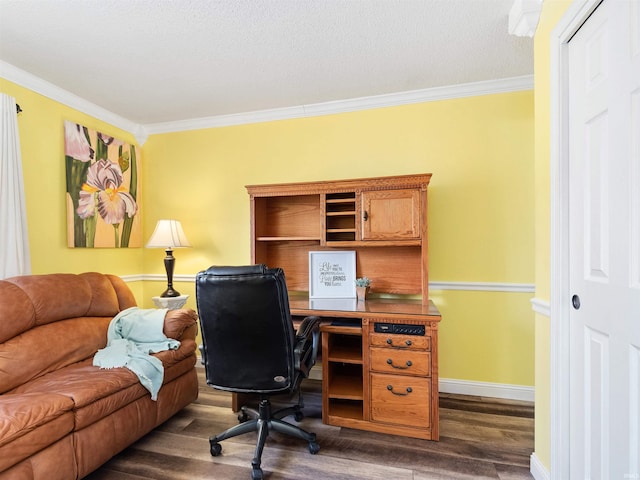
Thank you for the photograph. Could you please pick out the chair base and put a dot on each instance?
(264, 421)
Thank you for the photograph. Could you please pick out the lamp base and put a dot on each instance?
(170, 292)
(169, 262)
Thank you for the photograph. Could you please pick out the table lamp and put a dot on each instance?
(168, 235)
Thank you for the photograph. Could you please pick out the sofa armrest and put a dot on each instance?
(181, 324)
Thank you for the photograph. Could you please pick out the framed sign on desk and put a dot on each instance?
(332, 274)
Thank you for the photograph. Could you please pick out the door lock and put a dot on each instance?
(575, 301)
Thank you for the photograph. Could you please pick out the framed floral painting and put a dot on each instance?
(103, 189)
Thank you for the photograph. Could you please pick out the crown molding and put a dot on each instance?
(49, 90)
(488, 87)
(141, 132)
(524, 17)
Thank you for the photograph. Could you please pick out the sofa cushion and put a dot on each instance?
(125, 296)
(22, 413)
(81, 382)
(40, 299)
(49, 304)
(97, 392)
(16, 305)
(56, 462)
(46, 348)
(30, 422)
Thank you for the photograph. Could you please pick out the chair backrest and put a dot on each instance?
(247, 332)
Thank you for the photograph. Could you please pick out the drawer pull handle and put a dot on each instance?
(401, 367)
(409, 390)
(407, 343)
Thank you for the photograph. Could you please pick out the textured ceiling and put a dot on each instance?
(153, 61)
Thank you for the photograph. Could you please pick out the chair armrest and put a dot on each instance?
(181, 324)
(306, 348)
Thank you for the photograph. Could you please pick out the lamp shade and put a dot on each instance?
(168, 234)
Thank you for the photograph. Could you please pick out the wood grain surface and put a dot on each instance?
(480, 438)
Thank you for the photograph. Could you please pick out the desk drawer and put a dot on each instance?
(401, 362)
(401, 400)
(400, 342)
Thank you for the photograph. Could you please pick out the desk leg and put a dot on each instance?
(240, 399)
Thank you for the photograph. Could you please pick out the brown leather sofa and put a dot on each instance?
(61, 417)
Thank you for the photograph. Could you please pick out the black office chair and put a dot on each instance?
(249, 346)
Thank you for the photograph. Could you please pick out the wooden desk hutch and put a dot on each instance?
(379, 357)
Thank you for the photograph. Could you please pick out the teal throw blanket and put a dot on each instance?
(132, 335)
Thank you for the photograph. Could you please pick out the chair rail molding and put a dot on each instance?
(461, 286)
(542, 307)
(483, 286)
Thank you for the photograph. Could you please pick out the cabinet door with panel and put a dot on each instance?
(391, 214)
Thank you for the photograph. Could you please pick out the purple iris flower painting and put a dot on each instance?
(102, 189)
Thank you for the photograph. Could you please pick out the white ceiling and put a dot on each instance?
(157, 61)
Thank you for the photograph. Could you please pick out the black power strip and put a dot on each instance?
(399, 328)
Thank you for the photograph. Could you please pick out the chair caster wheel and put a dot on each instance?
(298, 416)
(215, 448)
(256, 474)
(243, 417)
(314, 448)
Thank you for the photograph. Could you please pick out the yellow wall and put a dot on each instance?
(480, 151)
(42, 145)
(551, 12)
(481, 203)
(486, 336)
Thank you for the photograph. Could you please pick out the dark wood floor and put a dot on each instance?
(480, 438)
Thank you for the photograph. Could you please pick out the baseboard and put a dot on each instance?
(486, 389)
(538, 470)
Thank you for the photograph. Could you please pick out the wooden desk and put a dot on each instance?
(382, 379)
(374, 378)
(302, 305)
(367, 383)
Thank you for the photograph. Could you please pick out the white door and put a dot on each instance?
(604, 239)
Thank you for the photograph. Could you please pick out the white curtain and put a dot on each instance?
(14, 242)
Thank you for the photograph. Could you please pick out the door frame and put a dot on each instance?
(571, 21)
